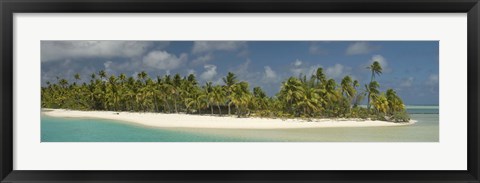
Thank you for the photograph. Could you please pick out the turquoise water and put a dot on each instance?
(99, 130)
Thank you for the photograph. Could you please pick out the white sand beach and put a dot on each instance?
(206, 121)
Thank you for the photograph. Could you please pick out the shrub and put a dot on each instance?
(359, 112)
(400, 116)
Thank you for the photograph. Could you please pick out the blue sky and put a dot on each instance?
(410, 67)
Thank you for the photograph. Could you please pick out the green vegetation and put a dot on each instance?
(313, 97)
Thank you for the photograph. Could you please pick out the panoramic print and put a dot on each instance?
(239, 91)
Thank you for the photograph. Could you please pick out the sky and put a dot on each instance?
(409, 67)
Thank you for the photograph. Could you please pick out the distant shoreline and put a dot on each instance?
(162, 120)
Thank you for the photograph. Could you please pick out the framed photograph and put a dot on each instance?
(232, 91)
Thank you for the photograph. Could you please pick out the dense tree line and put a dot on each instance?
(315, 96)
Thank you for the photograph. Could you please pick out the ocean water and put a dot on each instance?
(55, 129)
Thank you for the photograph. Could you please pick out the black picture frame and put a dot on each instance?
(9, 7)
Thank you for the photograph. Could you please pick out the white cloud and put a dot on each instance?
(61, 50)
(108, 67)
(164, 60)
(202, 59)
(209, 46)
(432, 80)
(336, 71)
(269, 75)
(209, 73)
(298, 68)
(242, 70)
(297, 63)
(68, 70)
(407, 82)
(312, 70)
(244, 73)
(359, 48)
(191, 71)
(315, 49)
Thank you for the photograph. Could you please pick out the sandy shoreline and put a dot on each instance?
(205, 121)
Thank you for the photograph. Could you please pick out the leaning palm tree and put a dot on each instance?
(380, 103)
(376, 69)
(77, 77)
(372, 91)
(320, 76)
(347, 87)
(395, 103)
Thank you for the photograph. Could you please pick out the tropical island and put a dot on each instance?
(182, 100)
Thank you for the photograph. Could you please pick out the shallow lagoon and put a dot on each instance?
(99, 130)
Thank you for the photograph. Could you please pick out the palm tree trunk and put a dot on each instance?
(155, 103)
(371, 79)
(219, 110)
(229, 109)
(368, 101)
(237, 110)
(175, 103)
(168, 106)
(211, 109)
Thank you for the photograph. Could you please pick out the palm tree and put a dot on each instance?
(355, 84)
(102, 74)
(314, 96)
(240, 97)
(93, 77)
(380, 103)
(176, 83)
(219, 97)
(122, 77)
(372, 90)
(230, 80)
(309, 101)
(63, 83)
(395, 103)
(291, 92)
(330, 88)
(77, 77)
(191, 78)
(208, 90)
(200, 100)
(356, 98)
(376, 69)
(112, 96)
(347, 87)
(320, 76)
(260, 98)
(142, 76)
